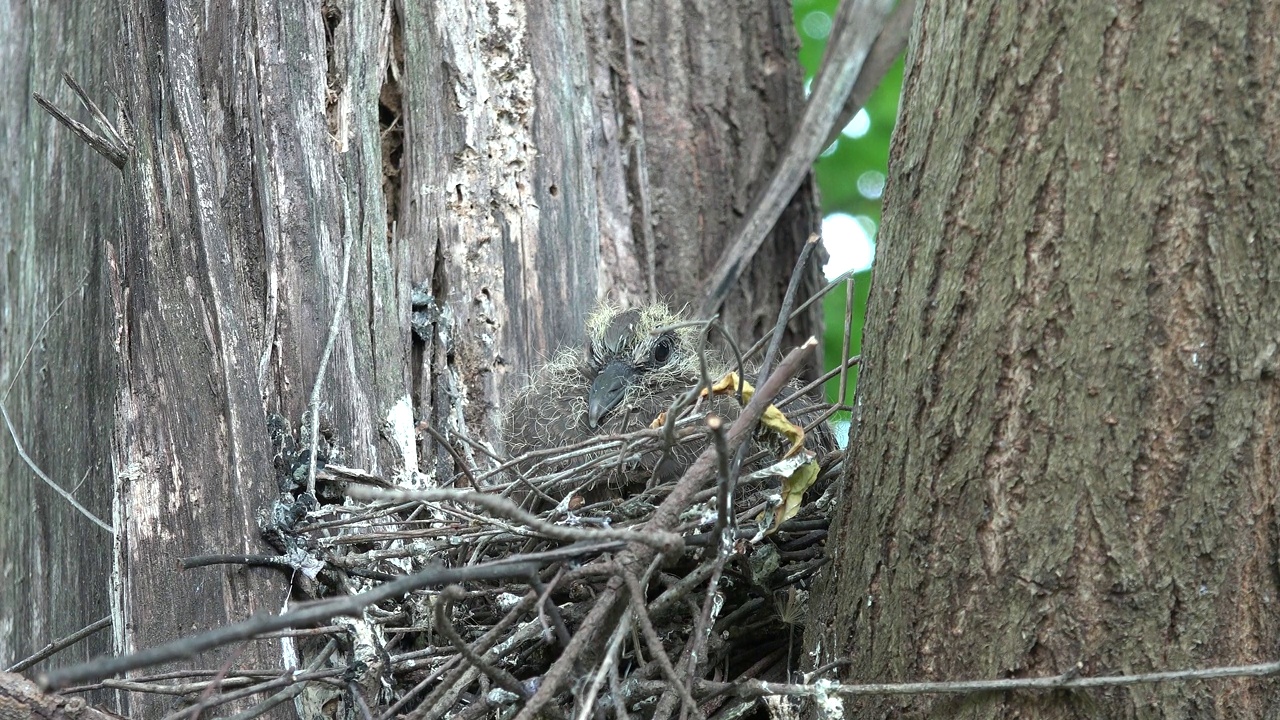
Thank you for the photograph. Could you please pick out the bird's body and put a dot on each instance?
(635, 364)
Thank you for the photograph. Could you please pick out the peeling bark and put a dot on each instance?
(466, 175)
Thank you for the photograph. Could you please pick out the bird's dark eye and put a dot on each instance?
(662, 350)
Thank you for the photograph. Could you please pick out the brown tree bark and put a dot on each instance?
(1067, 447)
(470, 177)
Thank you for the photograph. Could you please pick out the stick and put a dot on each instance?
(59, 645)
(350, 605)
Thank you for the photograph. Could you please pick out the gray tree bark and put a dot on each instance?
(1067, 445)
(511, 163)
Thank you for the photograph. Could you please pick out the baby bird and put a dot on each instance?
(625, 378)
(634, 365)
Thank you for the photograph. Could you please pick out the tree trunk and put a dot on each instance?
(1066, 455)
(59, 210)
(470, 177)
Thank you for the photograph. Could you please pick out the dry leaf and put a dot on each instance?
(772, 419)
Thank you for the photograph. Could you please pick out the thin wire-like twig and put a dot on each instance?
(453, 451)
(758, 345)
(506, 508)
(804, 390)
(22, 452)
(635, 121)
(845, 341)
(348, 238)
(13, 433)
(1070, 680)
(784, 312)
(292, 683)
(40, 334)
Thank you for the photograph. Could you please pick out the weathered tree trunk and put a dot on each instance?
(1067, 448)
(471, 177)
(59, 212)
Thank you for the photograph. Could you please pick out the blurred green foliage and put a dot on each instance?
(850, 177)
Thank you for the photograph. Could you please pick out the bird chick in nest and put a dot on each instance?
(636, 363)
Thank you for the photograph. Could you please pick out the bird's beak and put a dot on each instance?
(607, 391)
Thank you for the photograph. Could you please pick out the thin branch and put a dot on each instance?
(506, 508)
(350, 605)
(22, 452)
(105, 147)
(59, 645)
(547, 607)
(806, 389)
(348, 238)
(725, 518)
(845, 342)
(684, 586)
(615, 684)
(40, 334)
(887, 48)
(851, 43)
(610, 662)
(635, 119)
(650, 635)
(784, 312)
(431, 677)
(453, 451)
(292, 681)
(9, 423)
(100, 117)
(156, 678)
(354, 689)
(697, 641)
(758, 345)
(448, 596)
(1070, 680)
(199, 561)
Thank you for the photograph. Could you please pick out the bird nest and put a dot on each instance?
(541, 589)
(541, 585)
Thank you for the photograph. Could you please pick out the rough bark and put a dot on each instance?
(58, 210)
(1067, 449)
(472, 175)
(695, 100)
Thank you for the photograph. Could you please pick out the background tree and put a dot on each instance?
(392, 208)
(1067, 450)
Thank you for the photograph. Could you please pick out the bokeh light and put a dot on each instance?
(848, 244)
(860, 125)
